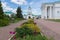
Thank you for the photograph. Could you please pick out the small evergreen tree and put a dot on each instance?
(19, 13)
(1, 11)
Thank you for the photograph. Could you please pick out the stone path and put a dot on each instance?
(49, 28)
(4, 32)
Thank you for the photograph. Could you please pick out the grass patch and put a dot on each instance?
(4, 22)
(16, 20)
(55, 20)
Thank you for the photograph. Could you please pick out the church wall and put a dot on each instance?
(57, 13)
(54, 13)
(57, 10)
(57, 4)
(43, 13)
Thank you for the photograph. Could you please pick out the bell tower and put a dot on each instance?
(29, 12)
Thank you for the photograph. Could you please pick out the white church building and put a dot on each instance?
(50, 10)
(29, 14)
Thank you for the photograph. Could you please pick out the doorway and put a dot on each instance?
(29, 17)
(48, 11)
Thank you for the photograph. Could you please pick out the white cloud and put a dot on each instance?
(31, 3)
(35, 11)
(14, 11)
(7, 8)
(25, 10)
(19, 2)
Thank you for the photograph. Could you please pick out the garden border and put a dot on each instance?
(11, 37)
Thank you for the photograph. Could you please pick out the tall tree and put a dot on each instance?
(1, 11)
(19, 13)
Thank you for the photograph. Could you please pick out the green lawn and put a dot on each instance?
(16, 20)
(55, 20)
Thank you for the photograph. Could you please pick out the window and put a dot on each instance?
(58, 11)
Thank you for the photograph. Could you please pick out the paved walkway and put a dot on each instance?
(4, 32)
(49, 28)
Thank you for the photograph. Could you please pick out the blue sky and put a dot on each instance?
(11, 5)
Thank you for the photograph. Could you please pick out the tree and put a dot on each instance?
(19, 13)
(1, 11)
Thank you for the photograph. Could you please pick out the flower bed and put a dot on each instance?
(28, 31)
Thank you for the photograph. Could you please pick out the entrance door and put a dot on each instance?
(29, 17)
(48, 12)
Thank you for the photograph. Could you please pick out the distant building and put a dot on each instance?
(9, 13)
(51, 10)
(29, 15)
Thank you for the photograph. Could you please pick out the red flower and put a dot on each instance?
(13, 32)
(10, 32)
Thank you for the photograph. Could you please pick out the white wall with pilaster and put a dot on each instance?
(57, 10)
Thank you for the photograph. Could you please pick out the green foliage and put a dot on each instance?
(27, 31)
(19, 13)
(3, 18)
(1, 11)
(16, 20)
(32, 37)
(4, 22)
(27, 28)
(30, 24)
(23, 31)
(30, 21)
(55, 20)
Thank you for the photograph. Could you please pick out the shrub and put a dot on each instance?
(23, 31)
(32, 37)
(33, 27)
(4, 22)
(30, 21)
(28, 31)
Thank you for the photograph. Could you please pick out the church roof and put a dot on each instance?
(51, 2)
(7, 13)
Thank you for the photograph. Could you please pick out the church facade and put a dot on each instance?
(29, 14)
(50, 10)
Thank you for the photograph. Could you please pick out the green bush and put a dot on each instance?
(32, 26)
(28, 31)
(4, 22)
(32, 37)
(16, 20)
(30, 21)
(23, 31)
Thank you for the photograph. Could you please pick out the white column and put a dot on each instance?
(50, 12)
(45, 13)
(42, 12)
